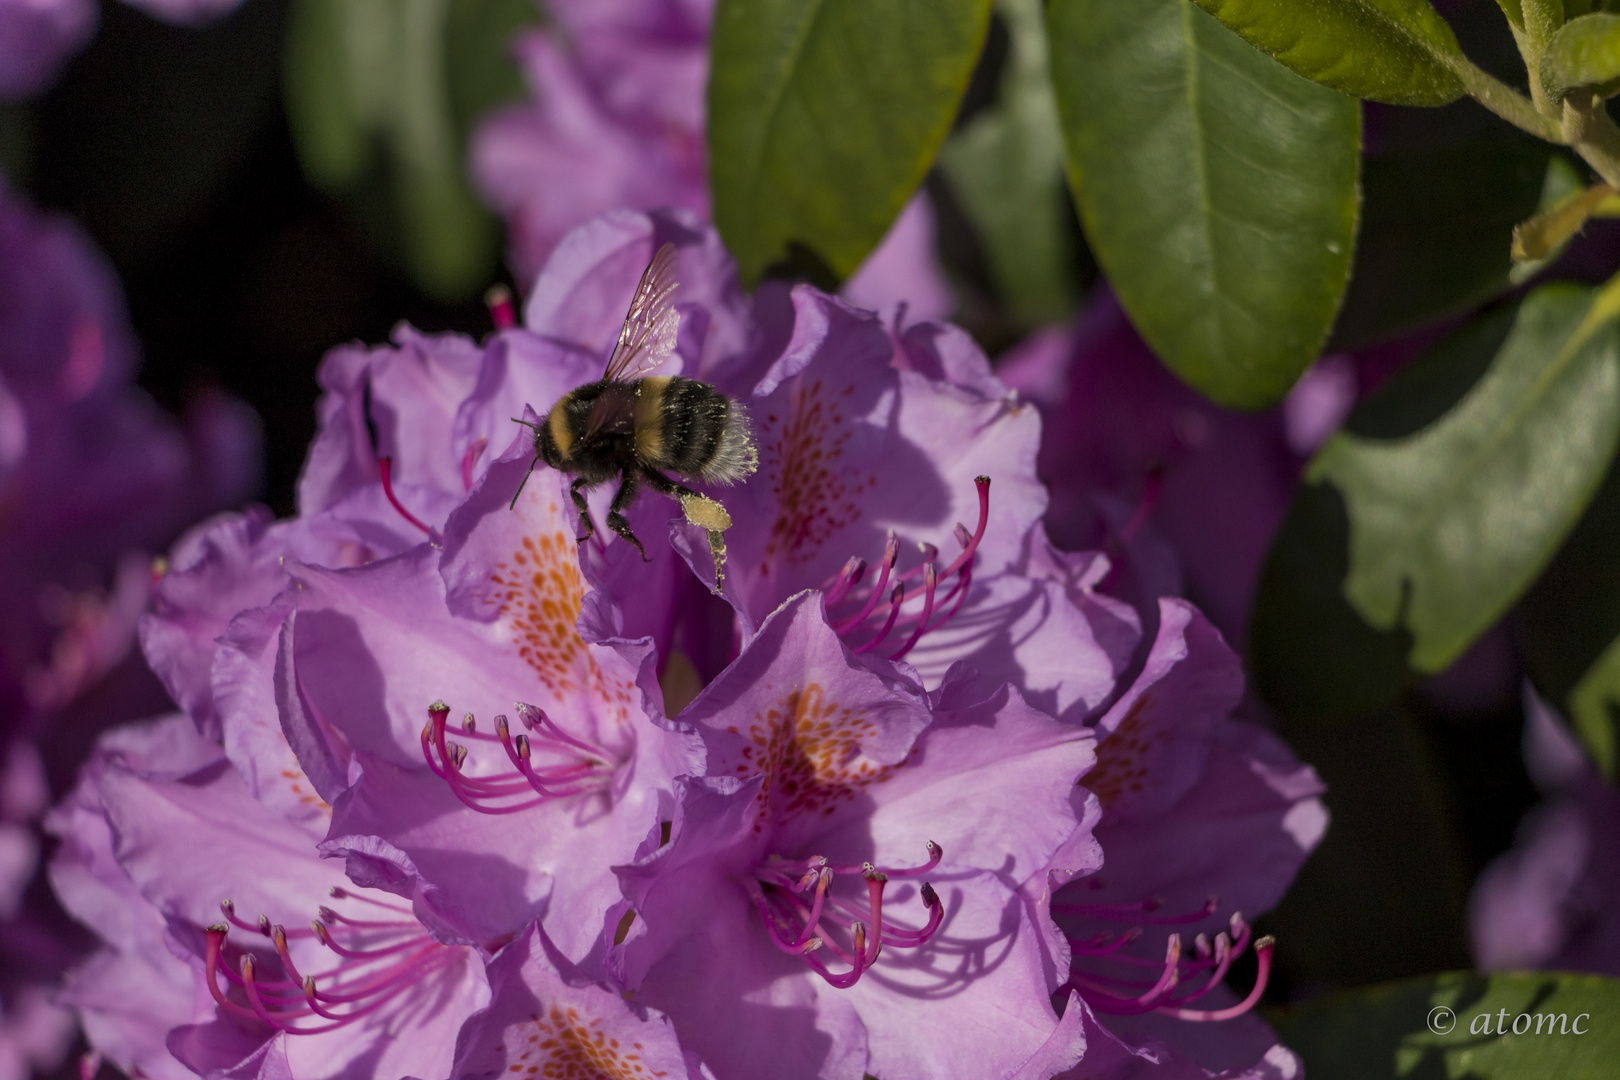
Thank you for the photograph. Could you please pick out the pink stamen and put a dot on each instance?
(1262, 952)
(895, 600)
(469, 459)
(385, 465)
(796, 927)
(930, 581)
(843, 584)
(360, 981)
(501, 310)
(847, 578)
(530, 785)
(891, 552)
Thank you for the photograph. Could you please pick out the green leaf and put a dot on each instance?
(1568, 625)
(1584, 52)
(1460, 1024)
(1434, 232)
(824, 116)
(1594, 707)
(1396, 51)
(1450, 524)
(1217, 189)
(1005, 170)
(380, 94)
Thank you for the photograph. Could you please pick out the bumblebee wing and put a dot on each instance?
(648, 335)
(611, 411)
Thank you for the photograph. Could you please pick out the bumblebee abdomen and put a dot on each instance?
(688, 427)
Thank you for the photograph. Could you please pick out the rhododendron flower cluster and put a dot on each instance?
(454, 794)
(94, 480)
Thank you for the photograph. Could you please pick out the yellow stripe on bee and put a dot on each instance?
(649, 417)
(558, 423)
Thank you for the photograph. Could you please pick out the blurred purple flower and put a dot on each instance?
(617, 122)
(38, 36)
(91, 471)
(1134, 456)
(1549, 902)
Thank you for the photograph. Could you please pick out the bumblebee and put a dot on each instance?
(640, 429)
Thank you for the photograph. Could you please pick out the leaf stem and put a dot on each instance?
(1592, 133)
(1506, 102)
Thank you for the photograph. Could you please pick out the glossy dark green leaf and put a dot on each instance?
(1396, 51)
(1448, 526)
(1217, 189)
(824, 116)
(1435, 225)
(379, 95)
(1005, 171)
(1584, 52)
(1461, 1024)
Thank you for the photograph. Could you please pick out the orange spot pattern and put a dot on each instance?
(1120, 768)
(296, 781)
(809, 751)
(814, 497)
(564, 1046)
(540, 591)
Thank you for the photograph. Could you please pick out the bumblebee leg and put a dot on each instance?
(621, 501)
(584, 510)
(701, 511)
(665, 486)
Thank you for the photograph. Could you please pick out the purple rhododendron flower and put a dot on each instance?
(545, 1018)
(618, 121)
(157, 845)
(38, 36)
(1205, 821)
(1147, 463)
(840, 820)
(1548, 903)
(833, 800)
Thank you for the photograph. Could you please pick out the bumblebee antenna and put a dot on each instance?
(532, 462)
(530, 424)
